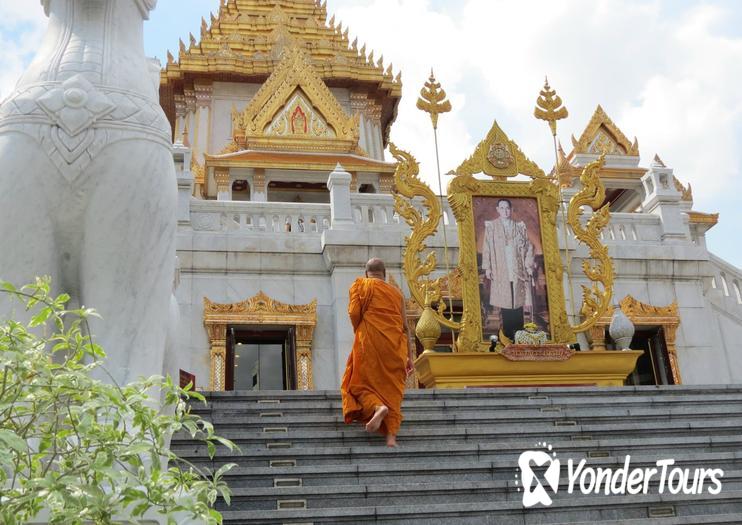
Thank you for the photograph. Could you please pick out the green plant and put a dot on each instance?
(84, 450)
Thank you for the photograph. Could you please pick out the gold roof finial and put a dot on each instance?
(432, 100)
(549, 107)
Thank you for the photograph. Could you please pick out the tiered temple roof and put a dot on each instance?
(245, 42)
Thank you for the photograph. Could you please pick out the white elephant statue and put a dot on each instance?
(87, 185)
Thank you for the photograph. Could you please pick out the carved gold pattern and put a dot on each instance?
(260, 310)
(221, 177)
(407, 185)
(432, 100)
(602, 136)
(596, 300)
(564, 171)
(549, 107)
(686, 192)
(697, 217)
(460, 192)
(258, 180)
(198, 171)
(498, 141)
(295, 87)
(452, 284)
(245, 36)
(231, 147)
(643, 314)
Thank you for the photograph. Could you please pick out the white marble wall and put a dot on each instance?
(232, 264)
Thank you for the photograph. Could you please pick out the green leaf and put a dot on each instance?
(13, 440)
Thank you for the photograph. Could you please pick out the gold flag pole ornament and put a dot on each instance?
(549, 108)
(433, 102)
(595, 301)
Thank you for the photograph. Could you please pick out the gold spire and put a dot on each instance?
(249, 28)
(432, 100)
(549, 107)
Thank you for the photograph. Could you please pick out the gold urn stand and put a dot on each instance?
(527, 366)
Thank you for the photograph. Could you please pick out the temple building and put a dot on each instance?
(280, 124)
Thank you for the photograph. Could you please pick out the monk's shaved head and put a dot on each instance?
(375, 266)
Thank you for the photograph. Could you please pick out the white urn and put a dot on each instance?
(621, 329)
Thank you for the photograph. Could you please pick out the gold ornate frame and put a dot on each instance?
(259, 310)
(642, 314)
(461, 194)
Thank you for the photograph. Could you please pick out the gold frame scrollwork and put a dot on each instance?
(461, 192)
(259, 310)
(501, 158)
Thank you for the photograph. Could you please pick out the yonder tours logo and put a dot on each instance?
(607, 480)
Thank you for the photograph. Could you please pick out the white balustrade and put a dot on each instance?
(375, 210)
(625, 228)
(271, 217)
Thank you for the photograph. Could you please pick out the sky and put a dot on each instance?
(667, 72)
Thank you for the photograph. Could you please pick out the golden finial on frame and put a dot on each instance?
(549, 107)
(433, 100)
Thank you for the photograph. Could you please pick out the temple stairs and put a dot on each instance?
(459, 451)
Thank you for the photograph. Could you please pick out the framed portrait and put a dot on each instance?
(510, 264)
(509, 258)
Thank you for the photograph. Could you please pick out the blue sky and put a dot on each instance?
(666, 71)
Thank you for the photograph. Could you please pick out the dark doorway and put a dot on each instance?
(260, 358)
(653, 366)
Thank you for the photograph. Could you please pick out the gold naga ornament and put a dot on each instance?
(500, 158)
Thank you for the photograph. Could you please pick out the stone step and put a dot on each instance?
(592, 509)
(708, 519)
(386, 494)
(424, 469)
(559, 429)
(727, 446)
(443, 417)
(473, 404)
(246, 406)
(499, 393)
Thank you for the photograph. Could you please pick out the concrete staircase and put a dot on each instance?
(458, 455)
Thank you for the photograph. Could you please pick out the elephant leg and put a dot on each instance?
(128, 256)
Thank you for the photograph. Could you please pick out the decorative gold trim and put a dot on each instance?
(461, 191)
(432, 100)
(294, 72)
(260, 310)
(697, 217)
(549, 107)
(601, 120)
(500, 158)
(596, 301)
(407, 185)
(643, 314)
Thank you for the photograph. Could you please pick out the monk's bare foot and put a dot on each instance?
(391, 440)
(379, 415)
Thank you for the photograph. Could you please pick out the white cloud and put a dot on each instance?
(21, 26)
(664, 73)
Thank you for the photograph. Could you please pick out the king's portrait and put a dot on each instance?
(511, 264)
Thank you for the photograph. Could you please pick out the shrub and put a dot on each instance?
(85, 450)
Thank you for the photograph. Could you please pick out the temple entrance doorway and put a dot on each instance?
(261, 358)
(652, 367)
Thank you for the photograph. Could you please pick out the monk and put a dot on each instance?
(374, 379)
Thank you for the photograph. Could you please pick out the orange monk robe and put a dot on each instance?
(375, 373)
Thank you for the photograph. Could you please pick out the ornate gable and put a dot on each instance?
(245, 40)
(602, 136)
(295, 110)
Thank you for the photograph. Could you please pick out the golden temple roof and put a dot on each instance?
(603, 136)
(245, 41)
(294, 160)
